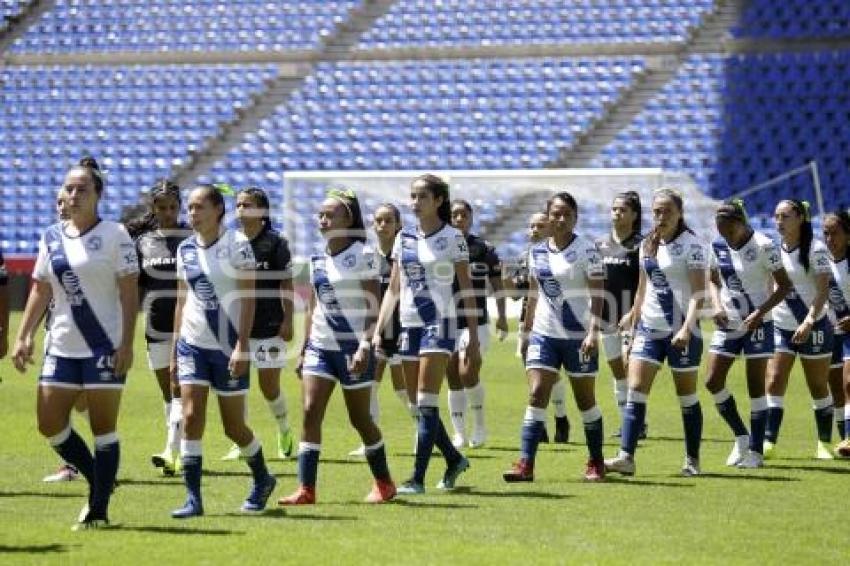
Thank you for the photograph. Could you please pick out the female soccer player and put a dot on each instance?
(666, 326)
(620, 253)
(273, 309)
(745, 266)
(337, 344)
(538, 231)
(157, 234)
(464, 377)
(836, 235)
(561, 329)
(66, 471)
(428, 258)
(89, 267)
(213, 319)
(387, 225)
(801, 327)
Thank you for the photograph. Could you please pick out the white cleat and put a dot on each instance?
(478, 438)
(622, 464)
(824, 452)
(691, 467)
(739, 451)
(66, 472)
(359, 452)
(751, 461)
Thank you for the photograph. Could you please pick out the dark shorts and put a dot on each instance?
(655, 346)
(333, 365)
(208, 368)
(95, 372)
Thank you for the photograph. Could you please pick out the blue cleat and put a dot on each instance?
(192, 508)
(259, 495)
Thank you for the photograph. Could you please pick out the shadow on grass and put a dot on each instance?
(227, 473)
(295, 516)
(650, 440)
(432, 505)
(356, 461)
(512, 493)
(163, 481)
(746, 477)
(33, 549)
(180, 530)
(650, 483)
(804, 468)
(55, 495)
(560, 447)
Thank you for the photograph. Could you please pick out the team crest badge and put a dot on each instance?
(440, 244)
(348, 261)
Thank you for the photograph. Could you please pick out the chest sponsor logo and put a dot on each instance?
(205, 292)
(73, 289)
(94, 243)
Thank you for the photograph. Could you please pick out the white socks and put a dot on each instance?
(559, 398)
(457, 410)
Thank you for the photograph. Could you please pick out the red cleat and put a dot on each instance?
(304, 495)
(521, 471)
(595, 470)
(382, 491)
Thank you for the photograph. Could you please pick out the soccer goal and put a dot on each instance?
(502, 199)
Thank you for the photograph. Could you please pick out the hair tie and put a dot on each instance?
(807, 211)
(225, 189)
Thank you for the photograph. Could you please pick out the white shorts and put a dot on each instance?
(268, 353)
(159, 355)
(483, 339)
(613, 345)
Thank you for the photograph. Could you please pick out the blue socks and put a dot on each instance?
(253, 454)
(593, 433)
(823, 418)
(728, 409)
(308, 463)
(106, 458)
(532, 429)
(775, 412)
(692, 421)
(758, 420)
(376, 455)
(72, 448)
(633, 421)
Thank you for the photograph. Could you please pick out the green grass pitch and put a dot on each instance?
(792, 512)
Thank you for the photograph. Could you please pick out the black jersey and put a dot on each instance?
(622, 267)
(521, 283)
(274, 264)
(389, 338)
(157, 251)
(483, 264)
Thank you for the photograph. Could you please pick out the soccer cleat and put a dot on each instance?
(359, 452)
(285, 444)
(304, 495)
(259, 496)
(233, 454)
(823, 452)
(192, 508)
(452, 472)
(66, 472)
(750, 461)
(411, 487)
(843, 448)
(382, 491)
(691, 467)
(594, 470)
(562, 430)
(459, 441)
(521, 471)
(739, 450)
(166, 462)
(769, 450)
(90, 524)
(478, 438)
(621, 464)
